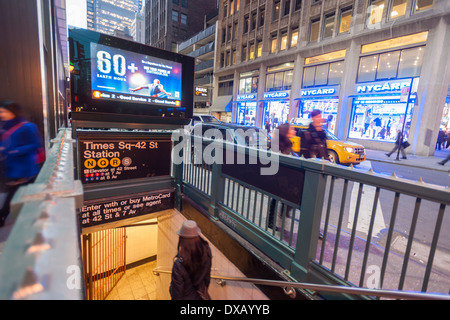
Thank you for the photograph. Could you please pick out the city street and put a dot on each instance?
(418, 167)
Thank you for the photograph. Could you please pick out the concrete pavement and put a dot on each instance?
(430, 162)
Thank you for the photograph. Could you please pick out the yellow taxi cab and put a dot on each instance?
(342, 152)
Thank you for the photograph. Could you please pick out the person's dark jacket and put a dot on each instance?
(182, 287)
(313, 143)
(19, 149)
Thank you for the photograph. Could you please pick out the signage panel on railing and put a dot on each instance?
(107, 157)
(96, 212)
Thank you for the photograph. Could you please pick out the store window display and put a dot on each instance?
(379, 119)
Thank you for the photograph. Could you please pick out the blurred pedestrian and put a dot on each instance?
(398, 144)
(267, 126)
(281, 139)
(444, 161)
(313, 141)
(281, 142)
(191, 271)
(19, 144)
(440, 139)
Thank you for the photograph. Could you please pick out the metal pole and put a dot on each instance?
(404, 120)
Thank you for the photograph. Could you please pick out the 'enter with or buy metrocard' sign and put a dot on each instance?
(110, 157)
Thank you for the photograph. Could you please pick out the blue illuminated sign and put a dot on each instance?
(246, 97)
(276, 95)
(322, 91)
(383, 87)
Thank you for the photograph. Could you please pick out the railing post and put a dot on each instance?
(217, 189)
(178, 173)
(309, 223)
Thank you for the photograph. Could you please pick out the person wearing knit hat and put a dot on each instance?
(313, 141)
(19, 142)
(191, 271)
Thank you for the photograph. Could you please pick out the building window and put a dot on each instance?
(423, 4)
(259, 49)
(294, 38)
(323, 74)
(253, 22)
(183, 18)
(235, 30)
(336, 72)
(375, 12)
(345, 20)
(387, 65)
(397, 9)
(225, 88)
(175, 2)
(367, 68)
(404, 63)
(233, 57)
(252, 51)
(280, 77)
(276, 10)
(246, 24)
(298, 5)
(231, 7)
(410, 62)
(273, 43)
(283, 44)
(314, 30)
(287, 7)
(408, 40)
(262, 15)
(248, 82)
(184, 3)
(328, 26)
(244, 53)
(174, 15)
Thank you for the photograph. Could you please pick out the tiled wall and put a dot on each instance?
(168, 225)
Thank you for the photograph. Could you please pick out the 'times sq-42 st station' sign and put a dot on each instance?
(111, 157)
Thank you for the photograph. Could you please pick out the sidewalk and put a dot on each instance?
(430, 162)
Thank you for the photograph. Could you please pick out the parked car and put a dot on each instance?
(339, 151)
(239, 134)
(250, 136)
(200, 118)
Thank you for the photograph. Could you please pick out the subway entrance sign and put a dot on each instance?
(115, 156)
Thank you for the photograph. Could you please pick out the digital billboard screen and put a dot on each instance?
(113, 79)
(131, 77)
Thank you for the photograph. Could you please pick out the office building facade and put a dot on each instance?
(169, 22)
(107, 16)
(371, 66)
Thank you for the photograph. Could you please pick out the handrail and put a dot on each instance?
(394, 294)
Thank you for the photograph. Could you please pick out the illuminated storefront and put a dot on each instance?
(276, 108)
(379, 109)
(246, 109)
(325, 99)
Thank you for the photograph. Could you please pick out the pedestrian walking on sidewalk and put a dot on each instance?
(444, 161)
(19, 144)
(191, 271)
(398, 144)
(313, 141)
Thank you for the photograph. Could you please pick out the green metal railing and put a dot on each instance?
(41, 258)
(353, 227)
